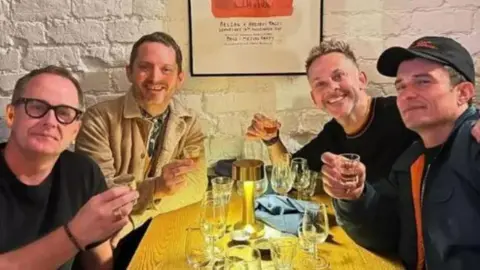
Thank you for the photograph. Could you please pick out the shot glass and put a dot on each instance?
(192, 152)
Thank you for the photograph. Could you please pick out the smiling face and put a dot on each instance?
(426, 97)
(154, 74)
(44, 135)
(336, 84)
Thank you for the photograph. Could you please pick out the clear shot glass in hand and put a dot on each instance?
(192, 152)
(127, 180)
(348, 167)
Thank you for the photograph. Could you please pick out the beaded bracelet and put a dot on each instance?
(72, 238)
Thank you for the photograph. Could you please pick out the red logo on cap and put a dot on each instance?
(424, 44)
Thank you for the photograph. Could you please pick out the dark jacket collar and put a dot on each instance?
(406, 159)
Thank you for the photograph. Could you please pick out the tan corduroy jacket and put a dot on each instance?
(114, 133)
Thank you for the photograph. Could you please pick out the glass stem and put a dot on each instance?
(212, 248)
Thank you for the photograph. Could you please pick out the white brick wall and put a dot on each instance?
(94, 38)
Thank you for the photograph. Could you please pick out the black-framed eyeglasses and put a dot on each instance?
(37, 108)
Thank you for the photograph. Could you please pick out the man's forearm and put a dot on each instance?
(277, 152)
(49, 252)
(371, 221)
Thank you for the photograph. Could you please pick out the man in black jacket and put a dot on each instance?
(428, 211)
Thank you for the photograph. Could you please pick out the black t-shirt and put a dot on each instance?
(27, 213)
(430, 155)
(379, 143)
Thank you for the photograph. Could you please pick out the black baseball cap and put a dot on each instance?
(442, 50)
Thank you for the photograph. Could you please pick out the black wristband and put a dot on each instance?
(272, 141)
(72, 238)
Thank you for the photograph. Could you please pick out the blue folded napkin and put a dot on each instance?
(280, 212)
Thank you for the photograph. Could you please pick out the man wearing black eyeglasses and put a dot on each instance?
(53, 203)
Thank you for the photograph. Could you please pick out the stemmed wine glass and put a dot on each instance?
(301, 174)
(315, 227)
(281, 179)
(213, 220)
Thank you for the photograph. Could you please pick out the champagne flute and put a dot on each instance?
(213, 219)
(222, 187)
(196, 249)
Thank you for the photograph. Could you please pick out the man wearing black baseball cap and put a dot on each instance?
(428, 211)
(442, 50)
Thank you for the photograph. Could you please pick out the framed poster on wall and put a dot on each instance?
(252, 37)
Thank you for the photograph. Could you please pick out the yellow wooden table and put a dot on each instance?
(163, 245)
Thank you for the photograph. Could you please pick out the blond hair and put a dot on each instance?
(330, 46)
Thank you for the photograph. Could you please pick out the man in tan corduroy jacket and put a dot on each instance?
(145, 131)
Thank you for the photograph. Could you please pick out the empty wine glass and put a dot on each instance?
(315, 226)
(300, 173)
(309, 191)
(196, 249)
(281, 179)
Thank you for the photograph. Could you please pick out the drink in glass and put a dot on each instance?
(348, 166)
(127, 180)
(192, 152)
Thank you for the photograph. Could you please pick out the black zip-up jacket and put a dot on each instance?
(383, 219)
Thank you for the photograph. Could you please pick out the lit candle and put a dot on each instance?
(248, 202)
